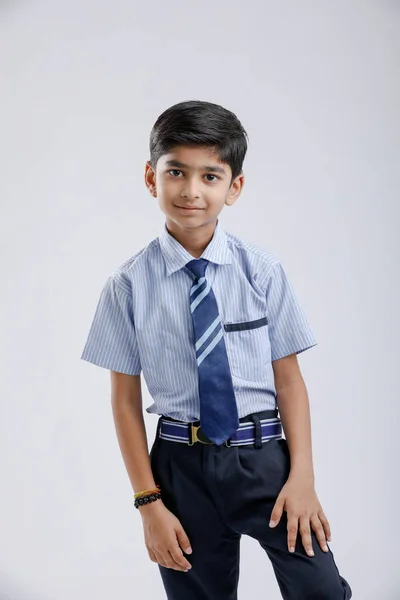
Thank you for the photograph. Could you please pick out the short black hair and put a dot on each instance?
(200, 123)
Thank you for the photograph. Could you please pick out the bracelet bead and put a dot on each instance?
(146, 499)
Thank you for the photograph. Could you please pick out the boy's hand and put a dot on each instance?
(299, 499)
(165, 537)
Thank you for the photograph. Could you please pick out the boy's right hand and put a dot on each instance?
(165, 537)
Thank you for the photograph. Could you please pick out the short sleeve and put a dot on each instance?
(111, 342)
(289, 330)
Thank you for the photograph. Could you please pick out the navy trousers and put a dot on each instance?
(220, 493)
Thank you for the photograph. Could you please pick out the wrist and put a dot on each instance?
(150, 508)
(303, 474)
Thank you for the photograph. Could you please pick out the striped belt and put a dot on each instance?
(190, 433)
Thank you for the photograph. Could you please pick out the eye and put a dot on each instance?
(174, 171)
(210, 175)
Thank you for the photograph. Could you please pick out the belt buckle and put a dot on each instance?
(194, 435)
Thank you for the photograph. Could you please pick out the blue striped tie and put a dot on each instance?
(218, 409)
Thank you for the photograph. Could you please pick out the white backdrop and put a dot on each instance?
(316, 85)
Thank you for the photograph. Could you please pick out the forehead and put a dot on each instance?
(195, 157)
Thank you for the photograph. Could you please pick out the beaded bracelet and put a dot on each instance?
(146, 499)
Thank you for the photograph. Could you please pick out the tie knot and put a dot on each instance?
(198, 267)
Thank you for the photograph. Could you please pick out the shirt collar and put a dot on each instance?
(176, 256)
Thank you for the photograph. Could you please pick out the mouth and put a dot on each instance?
(189, 209)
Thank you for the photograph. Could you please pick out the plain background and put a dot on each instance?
(316, 85)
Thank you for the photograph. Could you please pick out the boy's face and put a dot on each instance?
(192, 186)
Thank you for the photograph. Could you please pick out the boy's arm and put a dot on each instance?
(126, 400)
(298, 497)
(294, 410)
(165, 537)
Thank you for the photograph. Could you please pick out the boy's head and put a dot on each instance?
(197, 151)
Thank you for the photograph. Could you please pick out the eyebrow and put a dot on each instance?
(181, 165)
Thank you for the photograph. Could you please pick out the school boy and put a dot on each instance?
(214, 324)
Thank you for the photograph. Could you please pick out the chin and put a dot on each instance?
(187, 222)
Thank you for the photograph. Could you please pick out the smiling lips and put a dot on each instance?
(189, 208)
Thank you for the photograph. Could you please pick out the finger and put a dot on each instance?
(168, 561)
(325, 525)
(178, 557)
(277, 512)
(305, 533)
(292, 528)
(183, 540)
(178, 565)
(152, 555)
(319, 532)
(160, 559)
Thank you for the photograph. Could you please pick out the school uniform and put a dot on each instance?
(145, 322)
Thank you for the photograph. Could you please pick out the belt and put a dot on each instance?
(250, 427)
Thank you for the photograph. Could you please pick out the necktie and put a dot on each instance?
(218, 409)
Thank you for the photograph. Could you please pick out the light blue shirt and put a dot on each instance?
(143, 322)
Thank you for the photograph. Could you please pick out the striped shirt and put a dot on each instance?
(143, 322)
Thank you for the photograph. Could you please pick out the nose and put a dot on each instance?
(190, 189)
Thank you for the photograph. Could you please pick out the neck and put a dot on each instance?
(195, 241)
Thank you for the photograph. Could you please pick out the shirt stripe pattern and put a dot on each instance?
(143, 322)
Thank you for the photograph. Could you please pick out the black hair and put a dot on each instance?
(199, 123)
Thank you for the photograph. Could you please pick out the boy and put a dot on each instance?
(216, 327)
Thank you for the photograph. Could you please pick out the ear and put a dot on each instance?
(235, 190)
(150, 179)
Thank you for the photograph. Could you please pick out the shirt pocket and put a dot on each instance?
(248, 348)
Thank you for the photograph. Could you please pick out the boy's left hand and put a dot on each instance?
(299, 499)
